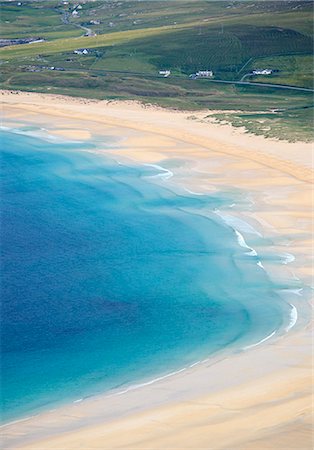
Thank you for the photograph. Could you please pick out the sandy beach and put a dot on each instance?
(257, 398)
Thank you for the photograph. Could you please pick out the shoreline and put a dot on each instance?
(202, 150)
(226, 351)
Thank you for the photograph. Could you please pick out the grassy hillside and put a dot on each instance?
(136, 39)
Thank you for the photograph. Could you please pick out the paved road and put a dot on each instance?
(245, 76)
(276, 86)
(242, 83)
(245, 83)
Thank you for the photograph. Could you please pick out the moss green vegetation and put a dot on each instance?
(295, 70)
(292, 124)
(134, 40)
(31, 19)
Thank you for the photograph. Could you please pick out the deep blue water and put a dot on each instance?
(108, 278)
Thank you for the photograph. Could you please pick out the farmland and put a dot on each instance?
(129, 42)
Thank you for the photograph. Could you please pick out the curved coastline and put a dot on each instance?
(243, 333)
(193, 369)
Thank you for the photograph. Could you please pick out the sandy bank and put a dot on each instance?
(257, 399)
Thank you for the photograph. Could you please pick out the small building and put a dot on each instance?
(36, 41)
(94, 22)
(165, 73)
(262, 72)
(81, 51)
(75, 13)
(204, 73)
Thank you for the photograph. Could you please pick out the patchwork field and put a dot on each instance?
(128, 43)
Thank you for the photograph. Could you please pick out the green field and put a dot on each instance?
(134, 40)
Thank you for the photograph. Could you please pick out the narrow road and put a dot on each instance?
(245, 76)
(88, 31)
(65, 18)
(276, 86)
(245, 83)
(241, 83)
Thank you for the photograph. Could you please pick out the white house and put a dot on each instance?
(36, 42)
(81, 51)
(165, 73)
(204, 73)
(262, 72)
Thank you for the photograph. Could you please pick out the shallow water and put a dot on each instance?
(109, 278)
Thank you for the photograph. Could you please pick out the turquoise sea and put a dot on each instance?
(109, 277)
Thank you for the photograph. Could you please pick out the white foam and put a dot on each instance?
(243, 244)
(192, 192)
(40, 133)
(261, 341)
(236, 223)
(78, 400)
(17, 421)
(166, 173)
(296, 291)
(293, 318)
(147, 383)
(288, 258)
(195, 364)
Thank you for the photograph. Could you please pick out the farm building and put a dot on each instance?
(262, 72)
(204, 73)
(81, 51)
(36, 41)
(165, 73)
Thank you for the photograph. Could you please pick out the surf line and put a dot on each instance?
(192, 192)
(25, 419)
(166, 173)
(293, 318)
(261, 341)
(235, 223)
(292, 322)
(251, 252)
(137, 386)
